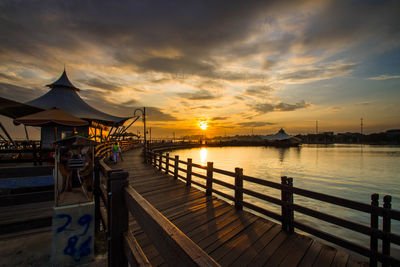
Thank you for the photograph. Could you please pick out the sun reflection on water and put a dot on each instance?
(203, 156)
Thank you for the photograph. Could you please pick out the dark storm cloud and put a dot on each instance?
(131, 31)
(263, 108)
(129, 27)
(258, 90)
(255, 124)
(199, 95)
(135, 34)
(352, 22)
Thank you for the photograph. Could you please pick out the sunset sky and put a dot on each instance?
(239, 65)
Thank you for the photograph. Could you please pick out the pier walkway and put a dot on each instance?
(231, 237)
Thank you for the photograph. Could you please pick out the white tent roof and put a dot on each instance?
(63, 95)
(281, 135)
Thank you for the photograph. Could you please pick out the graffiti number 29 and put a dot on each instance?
(84, 248)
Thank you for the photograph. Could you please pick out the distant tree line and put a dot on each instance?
(391, 137)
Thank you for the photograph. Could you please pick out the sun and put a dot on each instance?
(203, 125)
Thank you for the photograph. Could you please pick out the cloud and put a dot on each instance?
(260, 91)
(255, 124)
(268, 64)
(98, 99)
(335, 108)
(263, 108)
(364, 104)
(317, 73)
(219, 118)
(131, 102)
(183, 66)
(336, 25)
(156, 114)
(199, 95)
(18, 93)
(384, 77)
(103, 84)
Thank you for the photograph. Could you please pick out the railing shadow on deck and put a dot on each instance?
(119, 199)
(172, 165)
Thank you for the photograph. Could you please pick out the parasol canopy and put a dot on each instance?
(51, 117)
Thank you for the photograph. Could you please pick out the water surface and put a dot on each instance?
(349, 171)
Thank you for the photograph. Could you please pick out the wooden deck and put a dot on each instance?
(231, 237)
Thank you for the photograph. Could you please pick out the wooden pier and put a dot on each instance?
(230, 236)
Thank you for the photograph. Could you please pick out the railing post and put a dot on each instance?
(176, 167)
(209, 178)
(239, 188)
(160, 161)
(145, 154)
(284, 203)
(387, 205)
(374, 226)
(154, 159)
(290, 211)
(167, 163)
(117, 218)
(189, 172)
(96, 193)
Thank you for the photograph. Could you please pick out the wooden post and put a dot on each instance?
(167, 164)
(160, 162)
(189, 172)
(154, 159)
(284, 203)
(209, 178)
(387, 205)
(374, 226)
(239, 188)
(290, 211)
(96, 192)
(117, 218)
(34, 154)
(176, 167)
(146, 159)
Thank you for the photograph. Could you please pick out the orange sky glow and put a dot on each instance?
(227, 68)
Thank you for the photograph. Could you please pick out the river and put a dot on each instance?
(349, 171)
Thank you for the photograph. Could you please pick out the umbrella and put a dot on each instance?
(51, 117)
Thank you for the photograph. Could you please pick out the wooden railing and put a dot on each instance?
(174, 166)
(114, 200)
(103, 150)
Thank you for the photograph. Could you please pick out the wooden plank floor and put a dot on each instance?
(231, 237)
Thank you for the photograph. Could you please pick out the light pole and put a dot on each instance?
(144, 122)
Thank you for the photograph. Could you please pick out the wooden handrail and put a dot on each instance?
(175, 247)
(289, 207)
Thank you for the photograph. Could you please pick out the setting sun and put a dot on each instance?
(203, 125)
